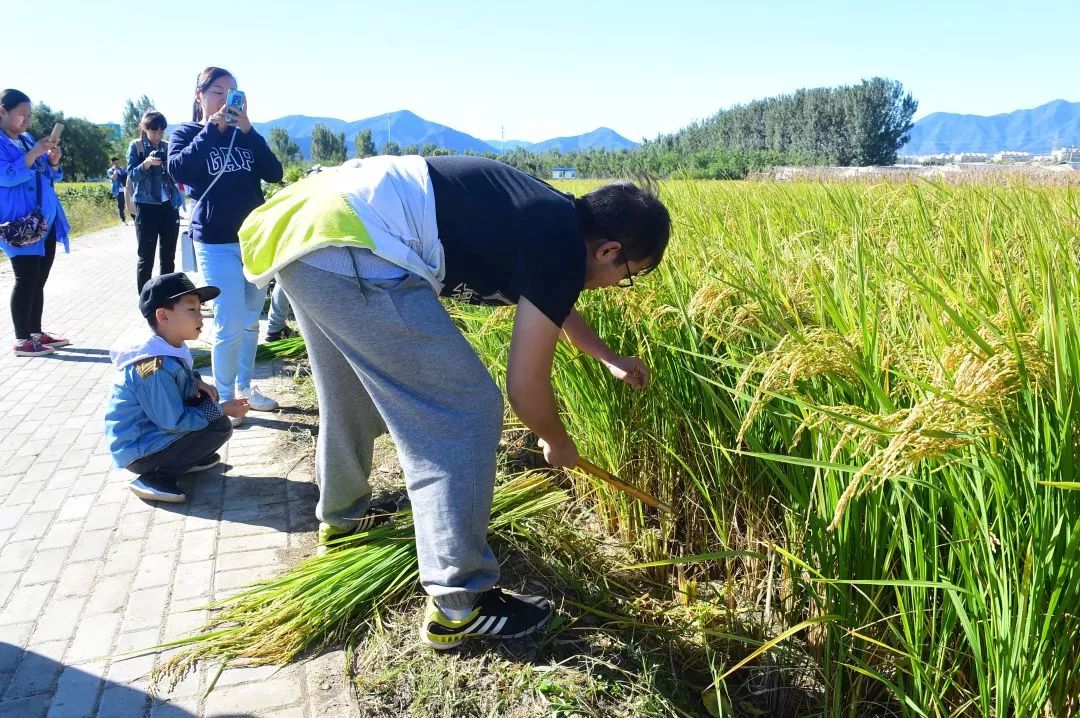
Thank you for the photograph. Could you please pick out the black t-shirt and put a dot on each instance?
(506, 235)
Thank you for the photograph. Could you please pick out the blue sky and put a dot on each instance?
(539, 69)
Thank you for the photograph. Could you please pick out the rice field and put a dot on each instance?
(864, 416)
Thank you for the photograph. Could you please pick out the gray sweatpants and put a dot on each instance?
(385, 355)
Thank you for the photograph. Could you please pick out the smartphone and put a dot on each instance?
(57, 130)
(235, 98)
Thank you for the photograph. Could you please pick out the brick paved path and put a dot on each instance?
(89, 571)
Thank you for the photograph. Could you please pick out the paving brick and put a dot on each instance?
(37, 672)
(32, 707)
(61, 535)
(122, 558)
(45, 566)
(95, 464)
(181, 707)
(25, 603)
(75, 457)
(31, 448)
(197, 545)
(58, 620)
(109, 595)
(155, 570)
(88, 484)
(16, 555)
(48, 501)
(133, 526)
(103, 517)
(33, 526)
(252, 698)
(249, 559)
(252, 543)
(133, 670)
(11, 515)
(77, 579)
(11, 649)
(41, 471)
(163, 537)
(193, 580)
(90, 544)
(62, 478)
(146, 608)
(93, 639)
(17, 466)
(122, 702)
(76, 693)
(24, 493)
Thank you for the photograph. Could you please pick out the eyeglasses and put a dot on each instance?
(627, 281)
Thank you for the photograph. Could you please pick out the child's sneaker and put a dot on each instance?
(31, 348)
(207, 462)
(378, 514)
(256, 400)
(497, 614)
(47, 340)
(158, 487)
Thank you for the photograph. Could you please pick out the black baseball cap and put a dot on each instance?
(159, 291)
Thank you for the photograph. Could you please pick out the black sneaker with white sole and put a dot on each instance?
(158, 487)
(378, 514)
(207, 462)
(497, 614)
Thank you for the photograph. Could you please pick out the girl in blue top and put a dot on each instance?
(27, 167)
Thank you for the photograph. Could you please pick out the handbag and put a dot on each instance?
(27, 230)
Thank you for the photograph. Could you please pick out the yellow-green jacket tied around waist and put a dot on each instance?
(384, 204)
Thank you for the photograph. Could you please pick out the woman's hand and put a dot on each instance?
(221, 119)
(629, 369)
(54, 156)
(238, 117)
(41, 147)
(563, 454)
(151, 161)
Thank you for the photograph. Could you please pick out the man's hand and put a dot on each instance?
(564, 454)
(236, 408)
(207, 390)
(629, 369)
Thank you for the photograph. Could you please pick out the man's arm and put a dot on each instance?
(528, 382)
(629, 369)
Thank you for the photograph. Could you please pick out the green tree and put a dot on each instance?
(391, 148)
(327, 146)
(287, 151)
(85, 145)
(413, 149)
(429, 149)
(133, 112)
(365, 145)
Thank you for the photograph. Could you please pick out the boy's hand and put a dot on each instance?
(237, 408)
(563, 454)
(631, 370)
(204, 389)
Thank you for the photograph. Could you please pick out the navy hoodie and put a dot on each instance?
(197, 153)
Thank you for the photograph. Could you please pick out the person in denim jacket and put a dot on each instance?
(26, 166)
(162, 419)
(157, 200)
(118, 177)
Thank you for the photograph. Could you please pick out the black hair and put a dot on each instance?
(151, 318)
(153, 120)
(114, 159)
(10, 99)
(207, 77)
(629, 213)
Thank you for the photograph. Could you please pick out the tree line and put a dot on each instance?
(863, 124)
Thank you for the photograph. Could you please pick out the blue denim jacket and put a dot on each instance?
(149, 182)
(18, 194)
(152, 401)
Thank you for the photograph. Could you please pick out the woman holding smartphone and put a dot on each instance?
(28, 170)
(157, 221)
(224, 161)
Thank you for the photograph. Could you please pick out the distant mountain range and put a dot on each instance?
(408, 128)
(1039, 130)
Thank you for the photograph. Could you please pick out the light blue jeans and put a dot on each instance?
(236, 317)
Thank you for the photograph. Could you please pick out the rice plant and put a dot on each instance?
(875, 386)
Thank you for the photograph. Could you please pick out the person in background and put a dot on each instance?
(157, 221)
(276, 324)
(28, 169)
(219, 147)
(118, 176)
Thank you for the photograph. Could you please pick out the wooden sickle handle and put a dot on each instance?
(649, 499)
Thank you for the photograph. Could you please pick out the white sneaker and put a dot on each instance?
(236, 421)
(256, 401)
